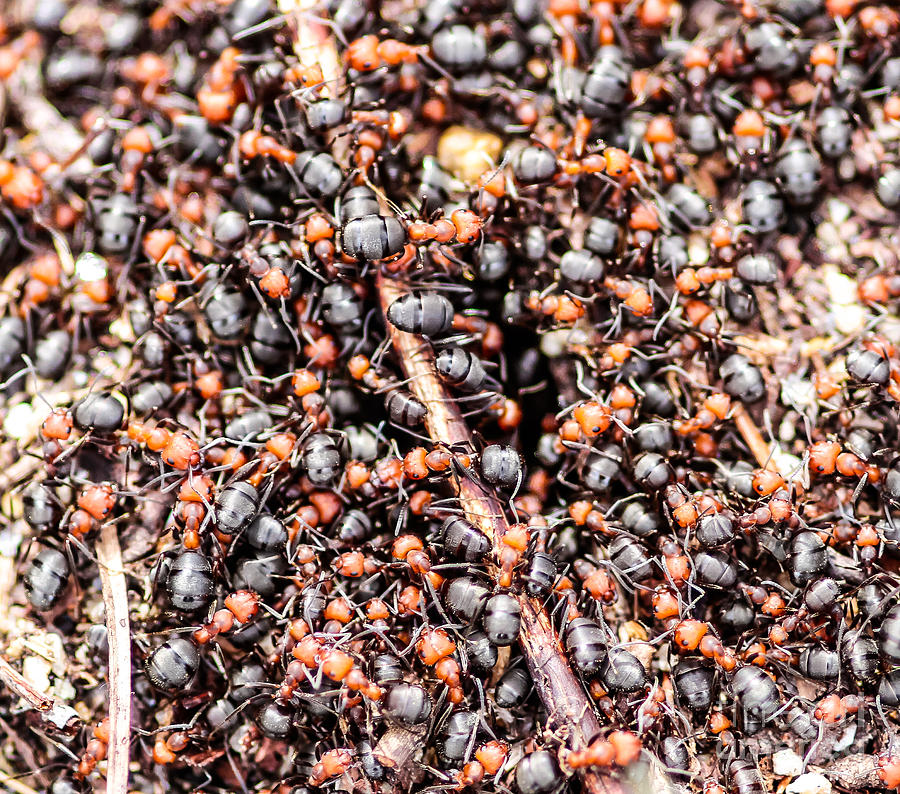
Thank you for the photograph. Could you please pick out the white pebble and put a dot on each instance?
(91, 267)
(810, 783)
(556, 343)
(798, 391)
(553, 343)
(698, 250)
(788, 465)
(850, 319)
(24, 420)
(36, 671)
(841, 288)
(786, 763)
(839, 211)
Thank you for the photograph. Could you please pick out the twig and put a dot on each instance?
(10, 542)
(15, 785)
(23, 468)
(26, 752)
(115, 599)
(7, 582)
(562, 693)
(11, 283)
(55, 134)
(59, 715)
(753, 438)
(314, 42)
(570, 714)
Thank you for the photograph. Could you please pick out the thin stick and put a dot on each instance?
(61, 716)
(570, 714)
(314, 42)
(115, 599)
(55, 133)
(15, 785)
(10, 285)
(752, 437)
(8, 577)
(314, 45)
(561, 691)
(23, 468)
(27, 753)
(22, 687)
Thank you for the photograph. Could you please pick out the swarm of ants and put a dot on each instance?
(441, 396)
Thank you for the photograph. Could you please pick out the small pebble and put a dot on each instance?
(810, 783)
(786, 763)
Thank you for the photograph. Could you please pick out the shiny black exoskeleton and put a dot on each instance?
(321, 459)
(425, 313)
(173, 665)
(189, 583)
(46, 579)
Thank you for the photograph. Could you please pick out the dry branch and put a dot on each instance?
(115, 599)
(314, 44)
(59, 715)
(570, 714)
(752, 437)
(55, 134)
(14, 784)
